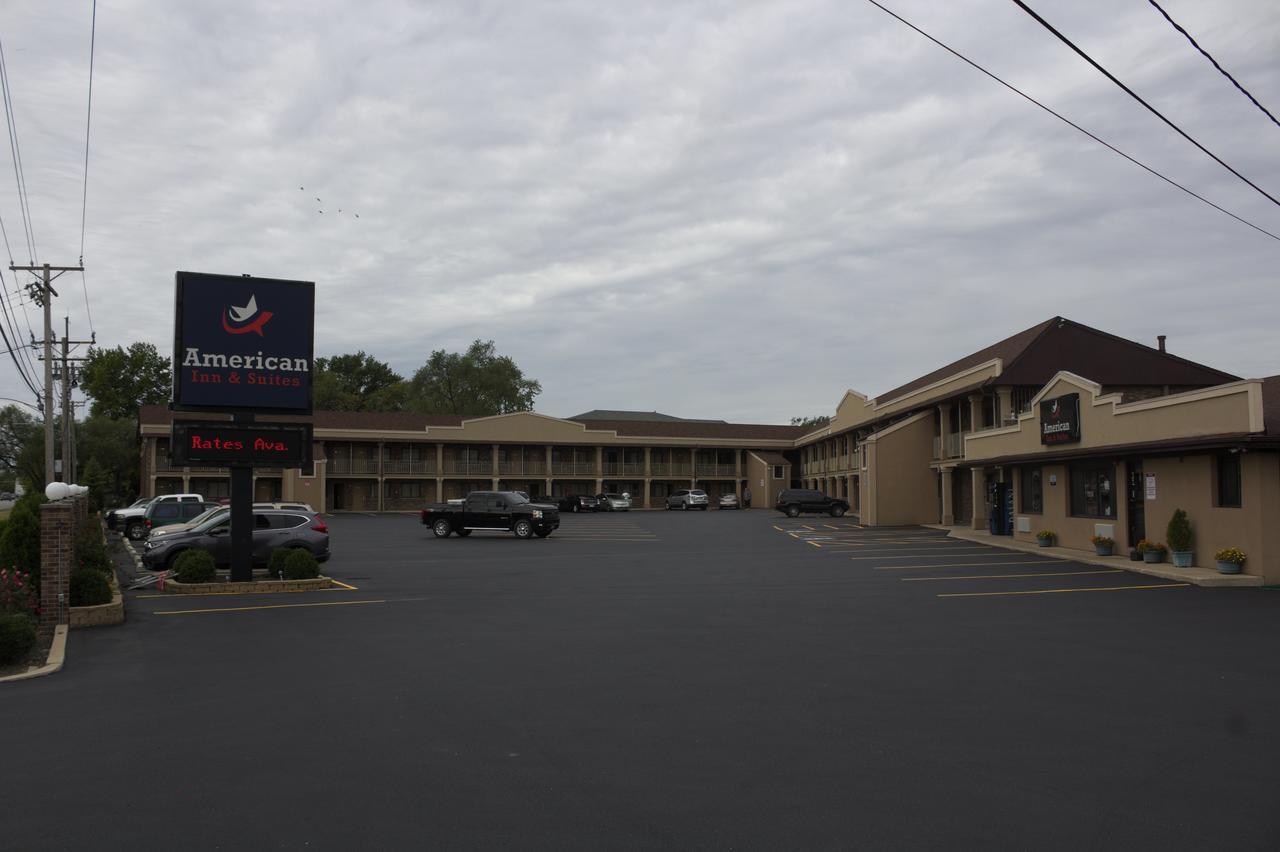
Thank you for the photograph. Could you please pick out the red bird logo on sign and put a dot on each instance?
(244, 318)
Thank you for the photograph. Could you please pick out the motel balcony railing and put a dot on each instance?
(671, 469)
(522, 468)
(624, 468)
(568, 468)
(341, 467)
(409, 467)
(954, 446)
(716, 470)
(406, 504)
(460, 467)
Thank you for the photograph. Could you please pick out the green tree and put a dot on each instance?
(121, 380)
(357, 382)
(108, 452)
(478, 381)
(20, 541)
(815, 420)
(17, 429)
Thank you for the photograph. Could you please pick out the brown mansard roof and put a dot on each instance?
(387, 421)
(1034, 356)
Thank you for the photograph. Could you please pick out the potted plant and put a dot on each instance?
(1179, 537)
(1152, 551)
(1045, 538)
(1103, 544)
(1230, 560)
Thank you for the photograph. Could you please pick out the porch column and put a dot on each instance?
(944, 428)
(439, 489)
(599, 470)
(439, 460)
(693, 467)
(737, 475)
(493, 466)
(948, 513)
(548, 474)
(382, 487)
(647, 483)
(1004, 405)
(976, 403)
(977, 482)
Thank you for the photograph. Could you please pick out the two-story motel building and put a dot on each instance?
(1155, 432)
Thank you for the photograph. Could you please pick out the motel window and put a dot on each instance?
(777, 471)
(1229, 480)
(1093, 490)
(1031, 491)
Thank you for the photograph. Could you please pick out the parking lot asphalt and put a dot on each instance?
(728, 680)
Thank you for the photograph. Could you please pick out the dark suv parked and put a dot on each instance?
(272, 528)
(793, 501)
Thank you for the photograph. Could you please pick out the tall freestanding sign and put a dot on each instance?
(242, 346)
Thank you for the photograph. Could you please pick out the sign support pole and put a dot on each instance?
(242, 516)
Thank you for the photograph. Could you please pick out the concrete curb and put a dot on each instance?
(57, 656)
(253, 587)
(1205, 577)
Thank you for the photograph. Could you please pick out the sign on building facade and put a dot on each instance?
(1060, 419)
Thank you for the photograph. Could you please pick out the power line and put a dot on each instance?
(11, 120)
(1209, 57)
(84, 200)
(10, 346)
(1087, 58)
(1068, 121)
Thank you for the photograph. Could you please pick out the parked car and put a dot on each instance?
(728, 501)
(506, 511)
(273, 528)
(114, 515)
(170, 529)
(134, 519)
(578, 503)
(690, 498)
(613, 502)
(162, 513)
(793, 501)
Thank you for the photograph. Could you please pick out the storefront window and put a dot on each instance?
(1031, 498)
(1093, 490)
(1229, 490)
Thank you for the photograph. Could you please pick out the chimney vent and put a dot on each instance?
(1160, 338)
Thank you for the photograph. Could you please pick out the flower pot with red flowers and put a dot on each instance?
(1152, 551)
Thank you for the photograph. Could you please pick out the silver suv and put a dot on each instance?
(272, 528)
(691, 498)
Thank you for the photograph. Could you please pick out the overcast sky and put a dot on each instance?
(716, 209)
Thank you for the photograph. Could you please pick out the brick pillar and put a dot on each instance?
(57, 525)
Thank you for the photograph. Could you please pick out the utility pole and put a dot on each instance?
(68, 376)
(44, 293)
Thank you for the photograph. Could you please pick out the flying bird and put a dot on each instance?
(242, 314)
(357, 215)
(320, 212)
(319, 200)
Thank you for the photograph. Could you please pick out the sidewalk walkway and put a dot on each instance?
(1208, 577)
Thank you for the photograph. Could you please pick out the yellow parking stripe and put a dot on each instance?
(1063, 591)
(814, 543)
(251, 608)
(1012, 576)
(343, 585)
(970, 564)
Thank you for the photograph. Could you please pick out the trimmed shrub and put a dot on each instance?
(89, 587)
(17, 637)
(275, 565)
(300, 565)
(20, 544)
(195, 566)
(1178, 533)
(89, 547)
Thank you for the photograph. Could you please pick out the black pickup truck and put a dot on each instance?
(492, 510)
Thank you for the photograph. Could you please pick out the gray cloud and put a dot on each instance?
(719, 209)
